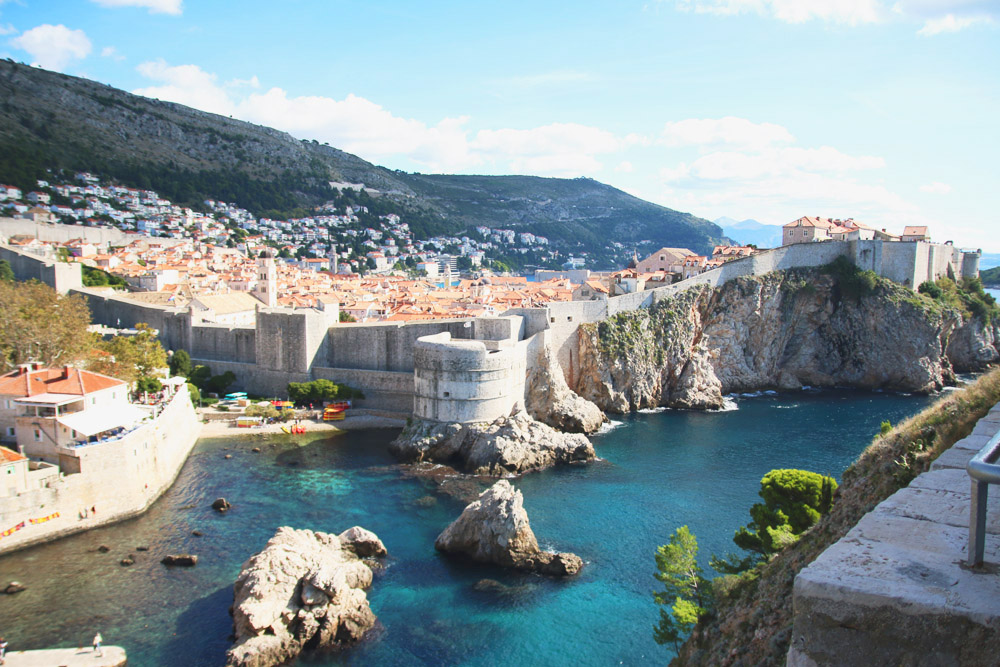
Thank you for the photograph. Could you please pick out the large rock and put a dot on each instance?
(973, 345)
(495, 529)
(304, 588)
(512, 444)
(550, 400)
(780, 330)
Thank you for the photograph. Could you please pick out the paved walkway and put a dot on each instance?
(895, 588)
(114, 656)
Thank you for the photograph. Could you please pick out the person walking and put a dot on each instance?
(3, 650)
(97, 644)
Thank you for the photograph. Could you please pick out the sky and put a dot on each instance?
(884, 111)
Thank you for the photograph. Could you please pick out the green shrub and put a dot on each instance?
(930, 289)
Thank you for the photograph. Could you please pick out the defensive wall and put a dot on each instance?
(298, 345)
(58, 233)
(60, 276)
(465, 381)
(118, 478)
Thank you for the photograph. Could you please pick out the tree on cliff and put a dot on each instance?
(794, 500)
(686, 597)
(39, 324)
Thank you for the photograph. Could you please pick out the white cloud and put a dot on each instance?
(850, 12)
(936, 188)
(185, 84)
(950, 23)
(154, 6)
(252, 82)
(778, 184)
(112, 52)
(937, 16)
(624, 167)
(53, 46)
(7, 29)
(360, 126)
(728, 130)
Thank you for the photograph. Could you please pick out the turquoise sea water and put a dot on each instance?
(659, 471)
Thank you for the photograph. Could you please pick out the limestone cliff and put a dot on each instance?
(550, 400)
(781, 330)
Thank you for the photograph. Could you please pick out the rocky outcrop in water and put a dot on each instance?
(514, 444)
(495, 529)
(550, 400)
(782, 330)
(305, 589)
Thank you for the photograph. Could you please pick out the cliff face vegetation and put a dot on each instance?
(752, 621)
(824, 327)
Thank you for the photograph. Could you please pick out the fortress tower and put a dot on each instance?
(267, 280)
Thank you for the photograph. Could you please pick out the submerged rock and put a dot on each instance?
(14, 587)
(221, 505)
(495, 529)
(304, 589)
(512, 444)
(182, 560)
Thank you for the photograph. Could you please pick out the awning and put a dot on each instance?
(97, 420)
(49, 400)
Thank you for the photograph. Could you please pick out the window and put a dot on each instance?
(38, 435)
(10, 431)
(447, 394)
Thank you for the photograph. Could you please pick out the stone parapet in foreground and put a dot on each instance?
(895, 589)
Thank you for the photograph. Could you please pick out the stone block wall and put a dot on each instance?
(464, 381)
(60, 276)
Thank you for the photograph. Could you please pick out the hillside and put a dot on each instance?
(990, 277)
(55, 121)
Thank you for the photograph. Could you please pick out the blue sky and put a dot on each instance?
(881, 110)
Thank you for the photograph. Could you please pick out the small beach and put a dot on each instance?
(359, 420)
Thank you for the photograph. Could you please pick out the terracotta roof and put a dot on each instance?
(10, 456)
(66, 380)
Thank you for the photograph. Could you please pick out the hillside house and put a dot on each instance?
(911, 234)
(670, 260)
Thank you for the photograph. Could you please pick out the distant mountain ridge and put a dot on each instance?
(751, 231)
(50, 120)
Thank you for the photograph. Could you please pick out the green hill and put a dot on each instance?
(54, 121)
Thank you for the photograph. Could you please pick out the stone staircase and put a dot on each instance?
(895, 590)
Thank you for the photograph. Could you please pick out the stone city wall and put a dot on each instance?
(219, 342)
(388, 346)
(56, 233)
(465, 381)
(119, 479)
(60, 276)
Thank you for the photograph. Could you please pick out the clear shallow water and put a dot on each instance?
(660, 471)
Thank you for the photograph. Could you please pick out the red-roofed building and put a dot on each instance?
(48, 410)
